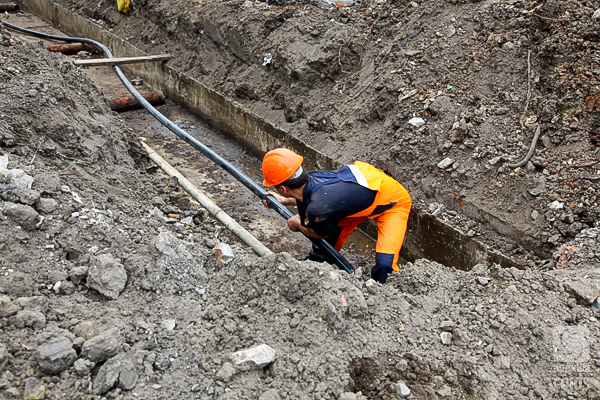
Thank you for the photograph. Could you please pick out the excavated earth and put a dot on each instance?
(110, 283)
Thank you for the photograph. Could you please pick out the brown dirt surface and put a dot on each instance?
(109, 284)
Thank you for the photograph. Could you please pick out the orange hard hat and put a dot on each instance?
(279, 165)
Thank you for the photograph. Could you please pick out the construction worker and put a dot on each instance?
(332, 203)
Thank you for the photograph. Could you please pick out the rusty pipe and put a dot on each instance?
(70, 48)
(9, 7)
(131, 103)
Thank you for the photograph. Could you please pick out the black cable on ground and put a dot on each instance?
(530, 152)
(339, 260)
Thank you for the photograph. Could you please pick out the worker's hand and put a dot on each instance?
(294, 223)
(277, 197)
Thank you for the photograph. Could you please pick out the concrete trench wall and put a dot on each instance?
(426, 237)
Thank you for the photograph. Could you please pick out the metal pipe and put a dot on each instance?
(339, 260)
(71, 48)
(9, 7)
(131, 103)
(211, 207)
(530, 152)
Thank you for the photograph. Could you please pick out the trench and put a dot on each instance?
(242, 137)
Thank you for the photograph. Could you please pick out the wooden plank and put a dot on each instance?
(121, 60)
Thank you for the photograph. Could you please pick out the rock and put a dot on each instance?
(224, 253)
(103, 346)
(596, 14)
(127, 379)
(16, 177)
(36, 303)
(495, 160)
(440, 105)
(483, 280)
(108, 376)
(534, 215)
(417, 122)
(56, 356)
(57, 276)
(78, 274)
(168, 324)
(18, 284)
(22, 215)
(226, 372)
(67, 288)
(538, 190)
(556, 205)
(445, 163)
(46, 205)
(372, 286)
(347, 396)
(7, 307)
(445, 391)
(402, 390)
(86, 330)
(162, 363)
(446, 338)
(32, 319)
(585, 291)
(106, 275)
(27, 196)
(458, 132)
(34, 390)
(255, 358)
(83, 366)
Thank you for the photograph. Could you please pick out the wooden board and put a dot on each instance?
(121, 60)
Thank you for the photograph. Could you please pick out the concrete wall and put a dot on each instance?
(427, 237)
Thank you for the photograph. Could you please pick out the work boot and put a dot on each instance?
(312, 256)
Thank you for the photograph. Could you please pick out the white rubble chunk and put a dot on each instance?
(417, 122)
(255, 358)
(224, 253)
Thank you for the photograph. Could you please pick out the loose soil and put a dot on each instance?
(167, 314)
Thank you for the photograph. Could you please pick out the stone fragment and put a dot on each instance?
(3, 357)
(56, 356)
(255, 358)
(224, 253)
(445, 163)
(106, 275)
(416, 122)
(446, 338)
(162, 363)
(445, 391)
(34, 390)
(32, 319)
(348, 396)
(534, 215)
(83, 366)
(596, 14)
(78, 274)
(458, 131)
(103, 346)
(86, 330)
(372, 286)
(7, 307)
(46, 205)
(584, 291)
(483, 280)
(556, 205)
(127, 379)
(16, 177)
(57, 276)
(168, 324)
(27, 196)
(66, 287)
(440, 105)
(36, 303)
(22, 215)
(107, 377)
(226, 372)
(402, 390)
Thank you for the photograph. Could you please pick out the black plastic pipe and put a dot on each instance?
(331, 252)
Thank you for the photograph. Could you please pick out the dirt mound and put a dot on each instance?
(104, 296)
